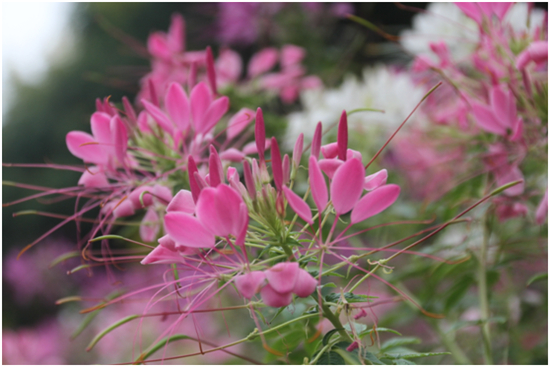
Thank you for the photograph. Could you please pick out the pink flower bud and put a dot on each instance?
(316, 142)
(249, 284)
(286, 169)
(305, 284)
(282, 277)
(210, 70)
(298, 150)
(259, 133)
(273, 298)
(343, 136)
(276, 164)
(215, 168)
(249, 180)
(191, 169)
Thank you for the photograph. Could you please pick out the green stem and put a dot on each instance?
(450, 343)
(483, 297)
(334, 320)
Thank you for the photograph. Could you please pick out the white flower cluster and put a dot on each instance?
(381, 87)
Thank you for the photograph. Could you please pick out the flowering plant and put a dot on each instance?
(227, 225)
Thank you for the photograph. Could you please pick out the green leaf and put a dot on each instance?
(328, 335)
(159, 345)
(99, 336)
(402, 362)
(537, 277)
(397, 342)
(379, 329)
(457, 292)
(293, 242)
(413, 355)
(331, 358)
(372, 358)
(350, 297)
(359, 328)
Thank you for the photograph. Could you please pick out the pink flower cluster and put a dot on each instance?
(277, 284)
(493, 92)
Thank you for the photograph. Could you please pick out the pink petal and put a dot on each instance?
(84, 146)
(92, 177)
(147, 197)
(504, 106)
(486, 119)
(101, 129)
(157, 46)
(229, 66)
(330, 150)
(200, 102)
(347, 186)
(182, 202)
(149, 226)
(176, 34)
(305, 284)
(232, 155)
(472, 10)
(375, 202)
(273, 298)
(159, 116)
(177, 105)
(376, 180)
(291, 55)
(218, 208)
(162, 255)
(297, 204)
(217, 109)
(329, 166)
(262, 61)
(243, 224)
(282, 277)
(239, 122)
(168, 242)
(162, 194)
(536, 52)
(120, 138)
(542, 210)
(249, 284)
(509, 174)
(124, 209)
(188, 230)
(318, 185)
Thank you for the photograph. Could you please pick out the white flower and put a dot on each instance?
(381, 88)
(441, 22)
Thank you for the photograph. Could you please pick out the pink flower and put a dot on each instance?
(164, 45)
(536, 52)
(500, 116)
(108, 145)
(249, 284)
